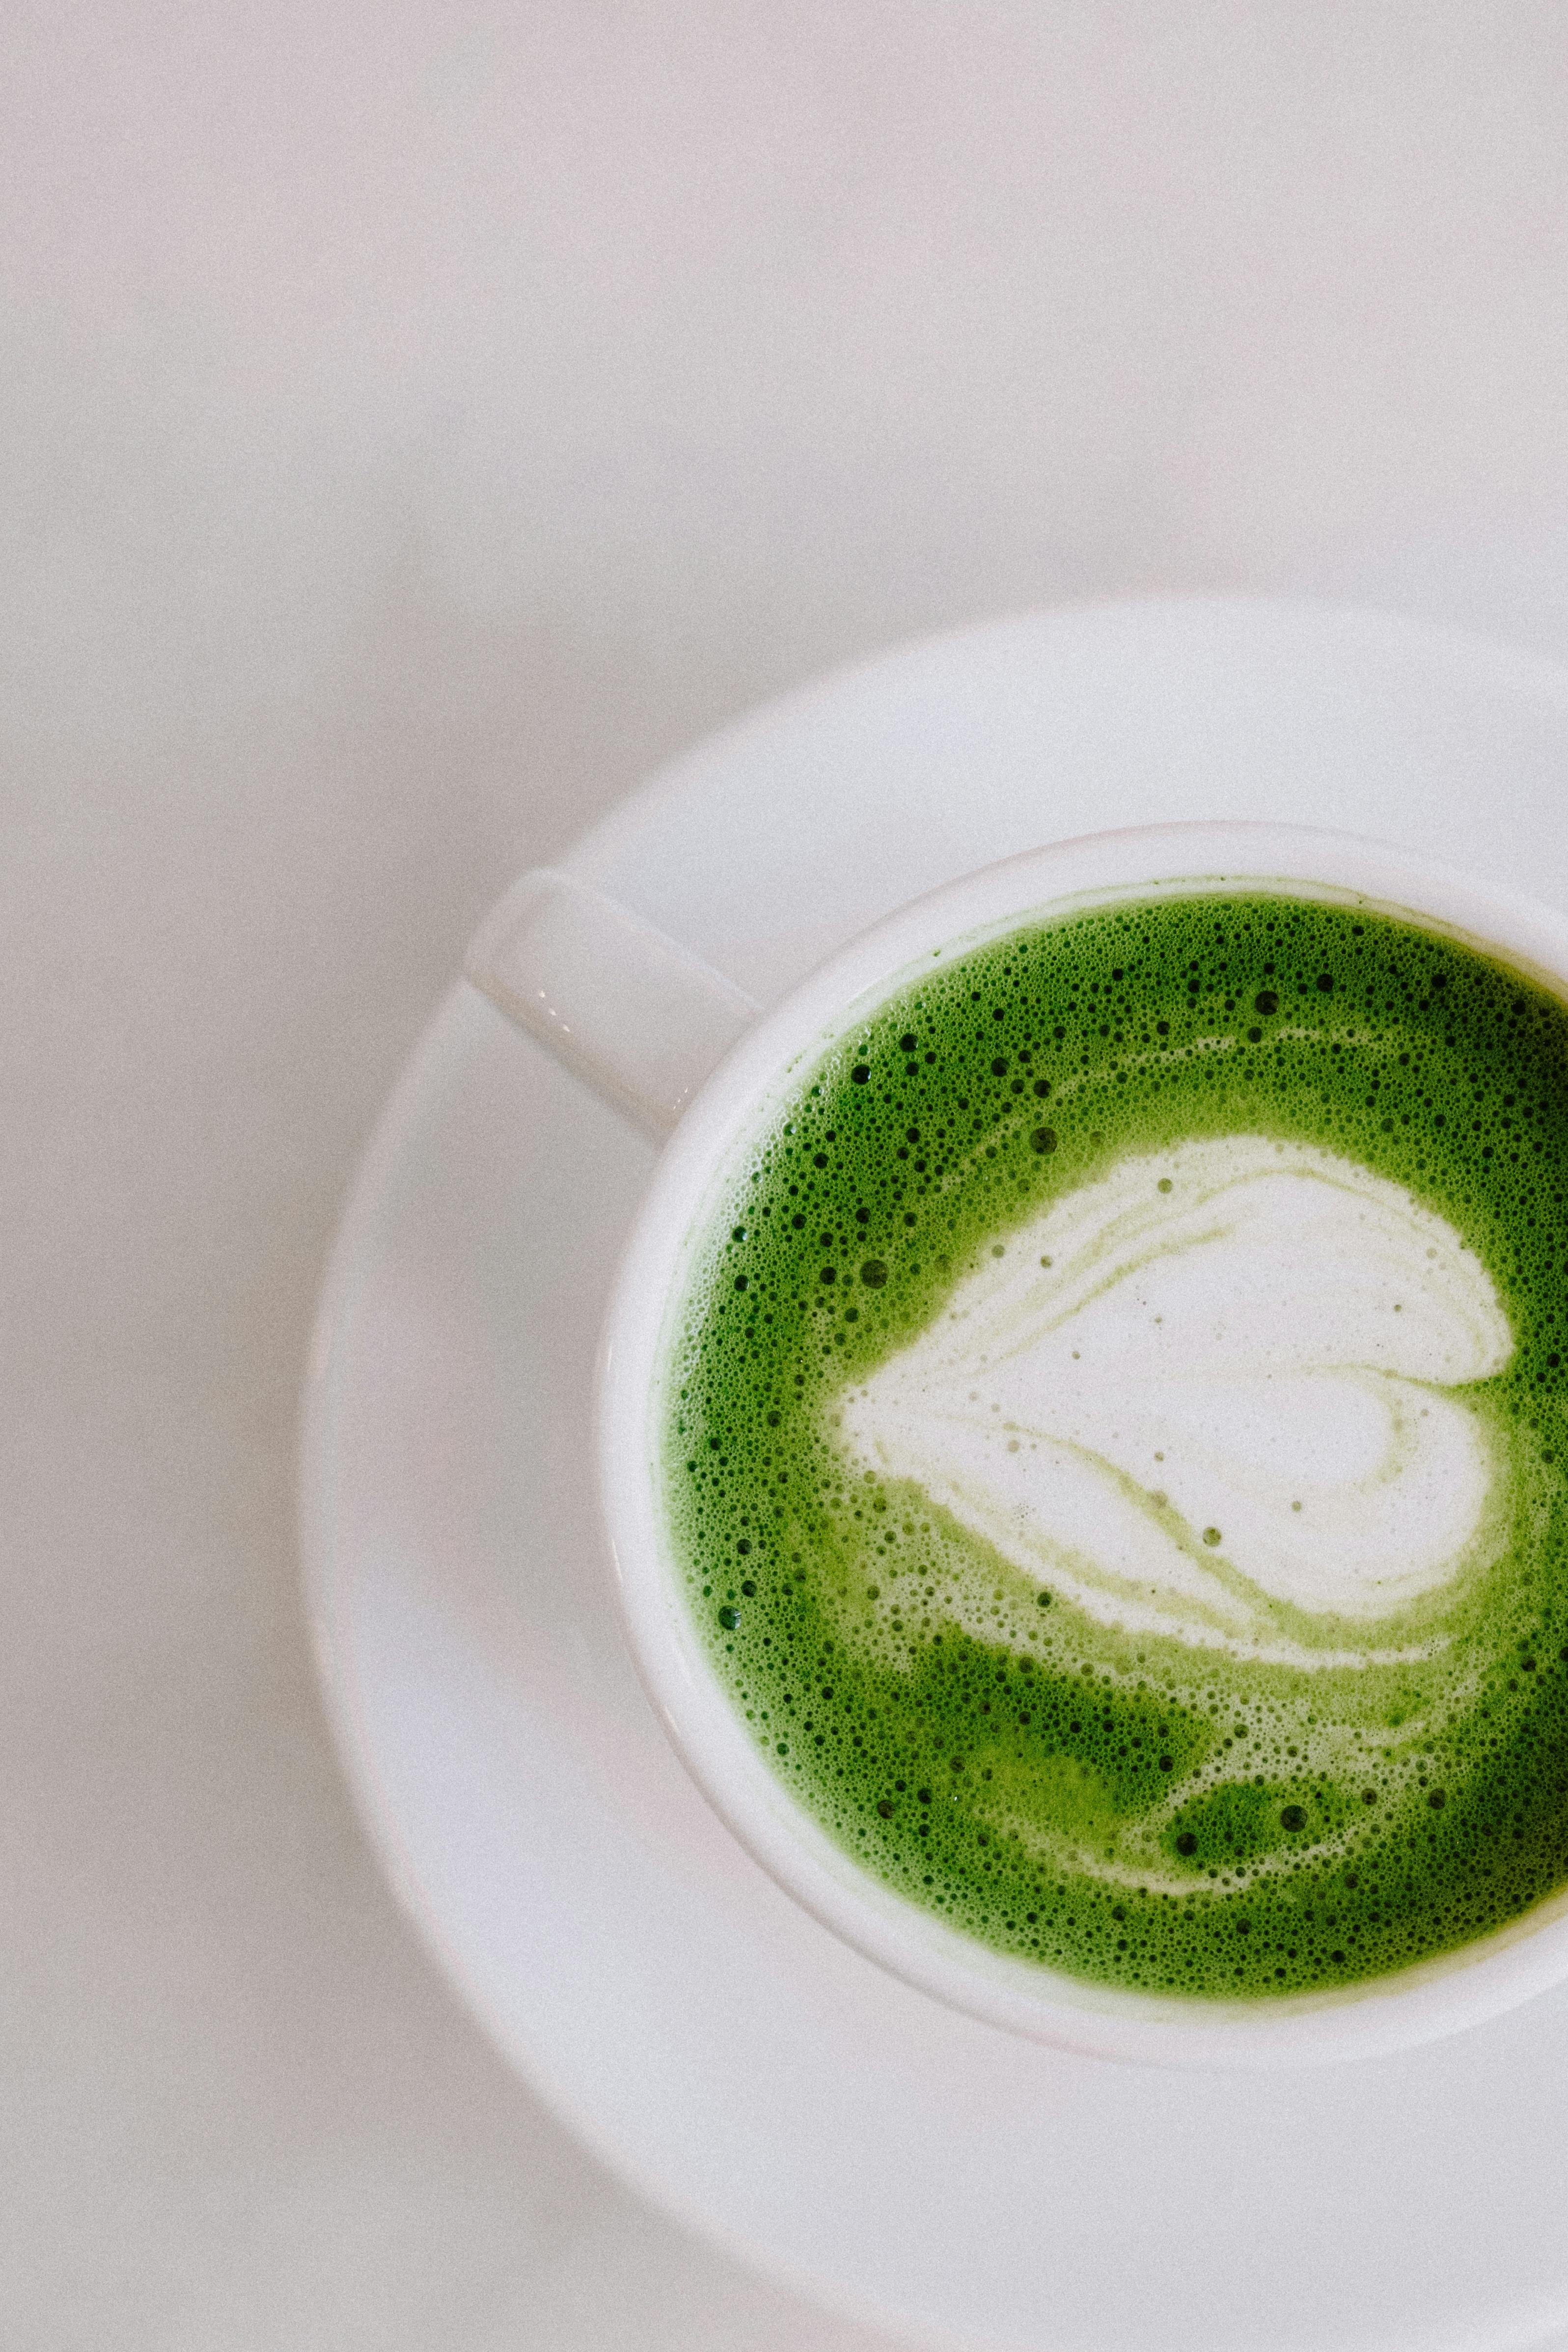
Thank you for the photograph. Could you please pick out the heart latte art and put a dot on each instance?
(1209, 1396)
(1115, 1417)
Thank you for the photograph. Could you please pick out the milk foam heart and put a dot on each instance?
(1210, 1395)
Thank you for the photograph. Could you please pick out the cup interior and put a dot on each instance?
(1420, 2003)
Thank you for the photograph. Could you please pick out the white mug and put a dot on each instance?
(692, 1060)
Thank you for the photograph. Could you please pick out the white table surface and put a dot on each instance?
(413, 422)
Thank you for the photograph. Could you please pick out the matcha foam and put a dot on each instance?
(1114, 1442)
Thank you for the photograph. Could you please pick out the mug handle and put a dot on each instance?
(612, 998)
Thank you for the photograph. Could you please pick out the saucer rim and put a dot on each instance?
(432, 1063)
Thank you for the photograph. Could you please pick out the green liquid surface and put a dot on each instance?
(1240, 1795)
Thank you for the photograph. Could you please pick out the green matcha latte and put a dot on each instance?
(1113, 1441)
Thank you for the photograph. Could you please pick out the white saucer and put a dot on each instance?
(709, 2039)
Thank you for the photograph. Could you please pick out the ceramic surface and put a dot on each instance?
(1445, 1993)
(724, 2051)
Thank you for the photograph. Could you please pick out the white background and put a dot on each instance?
(415, 422)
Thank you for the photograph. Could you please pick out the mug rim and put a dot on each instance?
(1137, 864)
